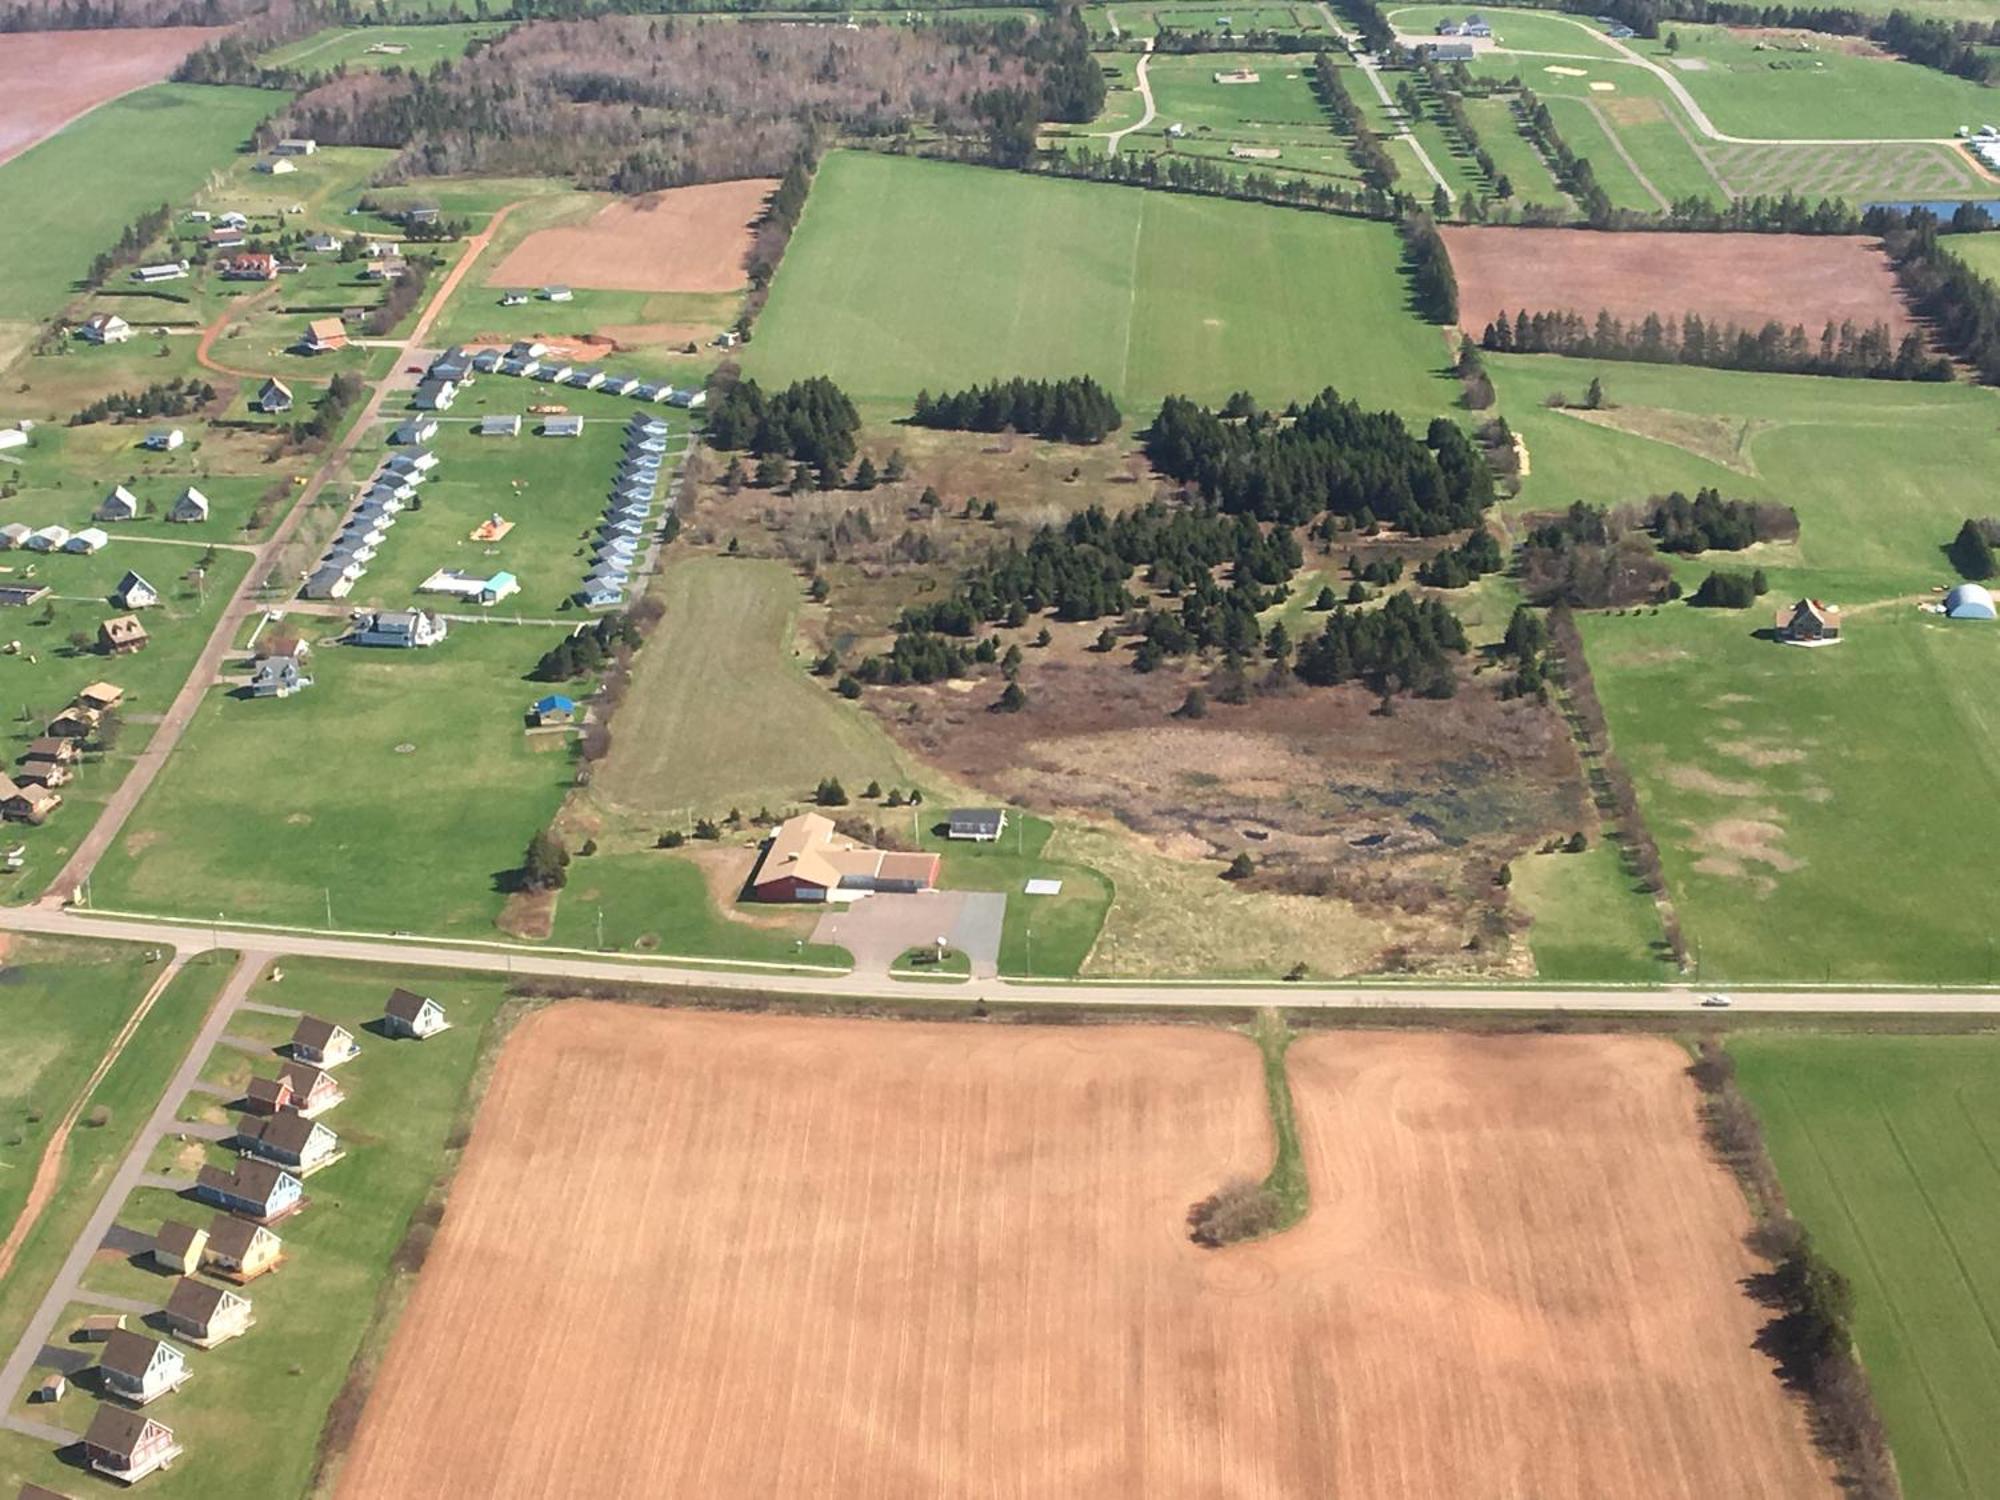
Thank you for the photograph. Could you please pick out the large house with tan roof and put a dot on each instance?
(807, 860)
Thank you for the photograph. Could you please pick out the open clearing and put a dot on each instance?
(932, 1260)
(910, 274)
(48, 78)
(691, 239)
(1886, 1148)
(1747, 279)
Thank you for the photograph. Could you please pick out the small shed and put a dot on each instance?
(121, 635)
(1969, 601)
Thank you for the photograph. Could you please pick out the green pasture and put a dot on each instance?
(1522, 30)
(134, 153)
(1585, 130)
(1799, 843)
(400, 787)
(324, 186)
(1886, 1148)
(1151, 20)
(657, 901)
(1979, 251)
(1513, 157)
(1152, 294)
(1593, 922)
(401, 1123)
(1185, 90)
(355, 48)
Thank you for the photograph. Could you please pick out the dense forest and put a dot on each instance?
(1073, 410)
(1841, 349)
(1710, 523)
(1588, 557)
(1329, 456)
(811, 421)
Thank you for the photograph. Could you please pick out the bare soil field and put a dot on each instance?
(1747, 279)
(48, 78)
(691, 239)
(1530, 1269)
(812, 1257)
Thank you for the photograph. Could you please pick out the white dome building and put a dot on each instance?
(1970, 601)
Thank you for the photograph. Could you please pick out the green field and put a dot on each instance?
(1799, 841)
(1042, 936)
(423, 47)
(1525, 30)
(1513, 157)
(1886, 1147)
(400, 1124)
(1593, 922)
(1979, 251)
(153, 146)
(908, 274)
(420, 838)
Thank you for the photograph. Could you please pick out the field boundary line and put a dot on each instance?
(1944, 1230)
(1611, 135)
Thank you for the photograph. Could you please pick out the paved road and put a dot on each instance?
(1117, 137)
(131, 1173)
(670, 972)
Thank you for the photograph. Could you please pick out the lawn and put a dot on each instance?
(1592, 921)
(1979, 251)
(1513, 158)
(1800, 841)
(71, 195)
(655, 901)
(1527, 31)
(399, 788)
(1043, 936)
(357, 48)
(906, 275)
(1886, 1147)
(401, 1124)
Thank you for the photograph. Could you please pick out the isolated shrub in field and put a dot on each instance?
(99, 1117)
(1724, 591)
(1241, 1209)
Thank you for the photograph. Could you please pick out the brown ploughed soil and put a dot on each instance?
(739, 1255)
(48, 78)
(691, 239)
(1746, 279)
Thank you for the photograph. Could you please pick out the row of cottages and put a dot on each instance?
(51, 761)
(27, 538)
(301, 1088)
(621, 536)
(299, 1145)
(190, 507)
(385, 496)
(237, 1250)
(128, 1445)
(530, 359)
(807, 860)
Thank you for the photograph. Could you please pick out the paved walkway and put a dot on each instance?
(131, 1173)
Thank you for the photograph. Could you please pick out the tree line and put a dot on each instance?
(1710, 523)
(588, 649)
(1205, 177)
(1574, 173)
(179, 397)
(1971, 551)
(1432, 280)
(1377, 34)
(1075, 409)
(130, 247)
(1842, 349)
(1962, 306)
(811, 421)
(1327, 456)
(1364, 146)
(774, 233)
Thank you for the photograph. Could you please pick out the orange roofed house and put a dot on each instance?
(807, 860)
(323, 336)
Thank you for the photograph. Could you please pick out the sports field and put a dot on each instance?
(1799, 842)
(1886, 1146)
(953, 1260)
(907, 274)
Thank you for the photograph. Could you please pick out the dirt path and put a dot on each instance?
(1117, 137)
(202, 350)
(50, 1166)
(118, 808)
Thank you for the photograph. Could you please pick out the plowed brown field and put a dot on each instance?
(48, 78)
(1746, 279)
(735, 1256)
(691, 239)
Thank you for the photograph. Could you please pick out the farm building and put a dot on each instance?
(806, 860)
(128, 1445)
(206, 1315)
(321, 243)
(323, 1043)
(407, 1013)
(16, 595)
(273, 396)
(292, 1141)
(133, 592)
(225, 237)
(1969, 601)
(277, 677)
(398, 628)
(166, 271)
(498, 426)
(474, 590)
(295, 145)
(436, 395)
(121, 636)
(120, 505)
(164, 439)
(104, 328)
(562, 427)
(86, 541)
(190, 509)
(416, 430)
(980, 824)
(178, 1247)
(50, 1391)
(553, 710)
(253, 265)
(26, 802)
(255, 1189)
(13, 437)
(240, 1250)
(556, 294)
(324, 336)
(1809, 623)
(1447, 52)
(276, 166)
(140, 1368)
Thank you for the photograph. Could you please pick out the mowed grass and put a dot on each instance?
(722, 712)
(1592, 921)
(69, 197)
(422, 47)
(397, 1124)
(906, 275)
(1042, 936)
(1804, 801)
(1887, 1150)
(269, 807)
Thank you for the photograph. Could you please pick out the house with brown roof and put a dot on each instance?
(178, 1247)
(138, 1368)
(255, 1189)
(252, 265)
(206, 1315)
(1809, 623)
(299, 1088)
(807, 860)
(128, 1445)
(323, 336)
(77, 722)
(50, 760)
(26, 801)
(121, 635)
(101, 696)
(322, 1043)
(98, 1327)
(292, 1141)
(412, 1015)
(241, 1251)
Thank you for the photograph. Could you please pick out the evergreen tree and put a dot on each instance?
(546, 864)
(1971, 553)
